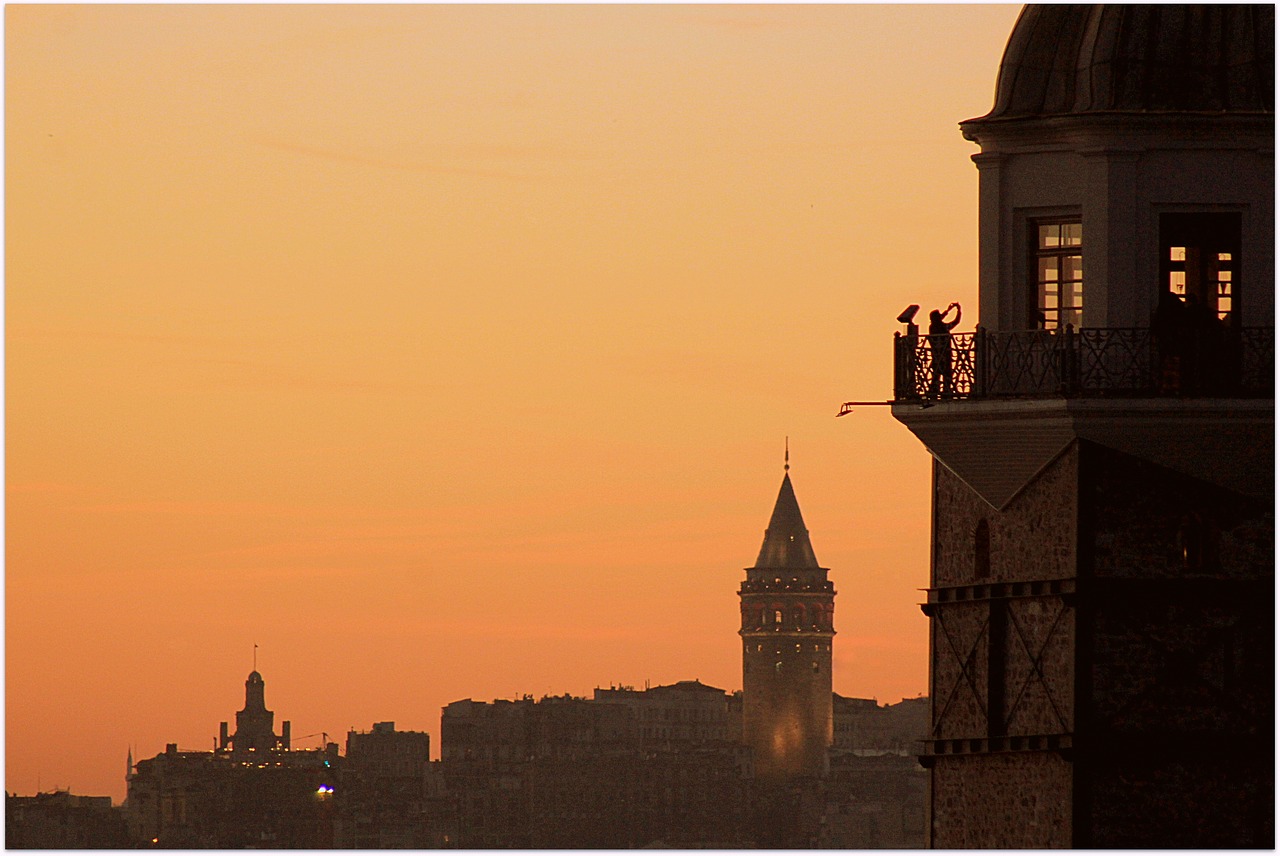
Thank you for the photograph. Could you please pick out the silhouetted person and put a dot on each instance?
(940, 348)
(1206, 344)
(1172, 334)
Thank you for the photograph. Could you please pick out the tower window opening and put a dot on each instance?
(777, 616)
(1058, 268)
(1199, 262)
(982, 550)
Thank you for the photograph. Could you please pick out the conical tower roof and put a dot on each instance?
(786, 541)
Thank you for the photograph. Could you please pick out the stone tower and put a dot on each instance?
(1101, 594)
(787, 610)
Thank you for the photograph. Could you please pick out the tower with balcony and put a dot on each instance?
(1102, 573)
(788, 605)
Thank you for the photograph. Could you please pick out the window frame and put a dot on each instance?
(1040, 317)
(1213, 234)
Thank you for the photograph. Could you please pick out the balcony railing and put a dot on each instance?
(1089, 362)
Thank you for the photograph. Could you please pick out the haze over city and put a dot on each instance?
(448, 352)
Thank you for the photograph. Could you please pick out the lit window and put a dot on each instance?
(1200, 261)
(1058, 266)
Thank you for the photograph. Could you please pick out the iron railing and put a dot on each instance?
(1089, 362)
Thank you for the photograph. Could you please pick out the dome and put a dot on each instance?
(254, 677)
(1072, 60)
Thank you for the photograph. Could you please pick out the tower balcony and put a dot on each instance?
(996, 407)
(1118, 362)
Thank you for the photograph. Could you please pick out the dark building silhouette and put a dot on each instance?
(865, 727)
(255, 725)
(678, 765)
(627, 768)
(62, 821)
(1101, 596)
(256, 793)
(788, 608)
(390, 792)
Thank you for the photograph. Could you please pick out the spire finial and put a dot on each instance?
(255, 656)
(786, 454)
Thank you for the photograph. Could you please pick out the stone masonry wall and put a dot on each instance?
(1182, 659)
(1014, 800)
(1033, 538)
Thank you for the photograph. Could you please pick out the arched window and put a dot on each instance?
(799, 616)
(777, 616)
(982, 550)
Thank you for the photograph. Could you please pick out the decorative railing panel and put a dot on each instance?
(1128, 362)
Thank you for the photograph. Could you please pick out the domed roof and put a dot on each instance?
(1067, 60)
(254, 677)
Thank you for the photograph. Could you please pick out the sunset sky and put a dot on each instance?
(448, 351)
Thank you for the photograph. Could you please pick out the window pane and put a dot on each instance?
(1071, 267)
(1224, 257)
(1178, 254)
(1071, 234)
(1049, 300)
(1048, 270)
(1049, 236)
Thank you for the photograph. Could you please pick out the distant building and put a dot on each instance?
(876, 788)
(255, 725)
(256, 794)
(1103, 545)
(674, 766)
(386, 788)
(628, 768)
(63, 821)
(864, 727)
(874, 801)
(636, 768)
(788, 609)
(680, 715)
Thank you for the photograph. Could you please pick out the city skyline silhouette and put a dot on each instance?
(448, 352)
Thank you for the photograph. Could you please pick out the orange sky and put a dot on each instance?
(448, 352)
